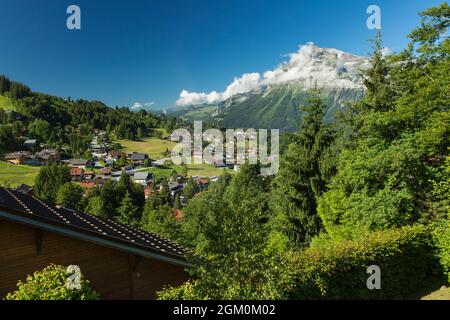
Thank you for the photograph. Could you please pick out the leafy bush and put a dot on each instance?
(441, 238)
(187, 291)
(51, 284)
(338, 270)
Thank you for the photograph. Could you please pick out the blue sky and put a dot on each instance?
(149, 51)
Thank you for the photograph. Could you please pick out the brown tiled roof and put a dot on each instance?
(203, 181)
(76, 171)
(87, 184)
(26, 209)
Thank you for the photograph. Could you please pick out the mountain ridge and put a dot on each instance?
(274, 100)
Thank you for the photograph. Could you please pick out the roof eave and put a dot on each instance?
(91, 238)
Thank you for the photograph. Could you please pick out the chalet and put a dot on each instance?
(76, 173)
(48, 156)
(121, 261)
(142, 178)
(17, 157)
(80, 163)
(88, 175)
(114, 154)
(203, 183)
(174, 188)
(99, 182)
(105, 171)
(98, 148)
(138, 158)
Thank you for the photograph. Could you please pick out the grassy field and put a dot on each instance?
(151, 146)
(5, 103)
(12, 175)
(442, 293)
(202, 170)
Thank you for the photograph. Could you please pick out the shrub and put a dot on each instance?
(338, 270)
(51, 284)
(441, 239)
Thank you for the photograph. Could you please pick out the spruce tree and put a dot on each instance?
(302, 176)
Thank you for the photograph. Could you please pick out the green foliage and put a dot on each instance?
(157, 217)
(65, 122)
(441, 237)
(128, 212)
(70, 195)
(97, 206)
(40, 129)
(399, 137)
(49, 180)
(441, 228)
(227, 226)
(304, 171)
(50, 284)
(337, 270)
(109, 200)
(8, 140)
(190, 189)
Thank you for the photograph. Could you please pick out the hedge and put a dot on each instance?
(50, 283)
(339, 270)
(441, 239)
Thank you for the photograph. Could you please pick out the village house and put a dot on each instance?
(105, 171)
(89, 175)
(80, 163)
(114, 154)
(138, 158)
(48, 156)
(202, 183)
(17, 157)
(174, 188)
(76, 174)
(142, 178)
(120, 261)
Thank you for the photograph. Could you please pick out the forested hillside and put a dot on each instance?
(57, 121)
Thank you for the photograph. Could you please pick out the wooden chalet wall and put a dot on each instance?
(113, 274)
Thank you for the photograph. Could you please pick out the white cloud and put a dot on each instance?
(310, 66)
(139, 105)
(136, 106)
(192, 98)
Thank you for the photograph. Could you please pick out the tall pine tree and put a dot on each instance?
(304, 170)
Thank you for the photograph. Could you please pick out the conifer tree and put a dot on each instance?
(302, 176)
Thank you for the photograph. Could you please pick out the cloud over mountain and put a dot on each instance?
(309, 66)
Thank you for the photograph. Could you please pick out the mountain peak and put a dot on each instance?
(310, 66)
(324, 67)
